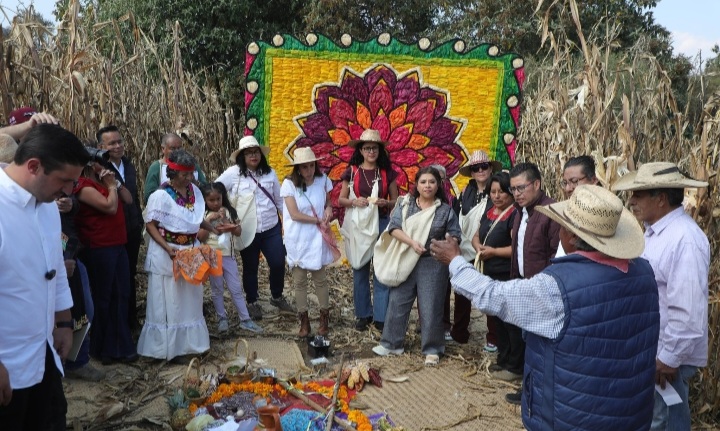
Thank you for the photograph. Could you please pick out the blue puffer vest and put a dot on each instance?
(599, 373)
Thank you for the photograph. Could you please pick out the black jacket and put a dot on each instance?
(133, 213)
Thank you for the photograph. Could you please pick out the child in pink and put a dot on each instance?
(223, 217)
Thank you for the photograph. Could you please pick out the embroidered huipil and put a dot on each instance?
(29, 248)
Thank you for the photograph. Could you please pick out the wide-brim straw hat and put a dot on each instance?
(477, 157)
(369, 135)
(656, 175)
(8, 147)
(303, 155)
(248, 142)
(600, 219)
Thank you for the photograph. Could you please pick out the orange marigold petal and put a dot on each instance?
(339, 136)
(363, 116)
(418, 142)
(397, 116)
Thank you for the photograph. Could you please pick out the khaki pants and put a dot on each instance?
(300, 283)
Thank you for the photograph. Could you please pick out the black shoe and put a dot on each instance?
(514, 398)
(129, 359)
(495, 367)
(181, 360)
(362, 323)
(283, 306)
(255, 311)
(379, 325)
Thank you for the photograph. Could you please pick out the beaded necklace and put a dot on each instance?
(377, 175)
(188, 202)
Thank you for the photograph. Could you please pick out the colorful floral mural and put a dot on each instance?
(432, 104)
(410, 116)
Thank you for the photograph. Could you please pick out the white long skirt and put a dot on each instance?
(174, 322)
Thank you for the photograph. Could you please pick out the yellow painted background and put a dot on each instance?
(473, 93)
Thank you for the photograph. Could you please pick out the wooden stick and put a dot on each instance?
(331, 414)
(310, 403)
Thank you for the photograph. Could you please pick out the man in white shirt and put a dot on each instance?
(36, 325)
(679, 253)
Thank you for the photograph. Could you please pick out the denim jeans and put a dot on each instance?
(270, 243)
(364, 306)
(83, 356)
(676, 417)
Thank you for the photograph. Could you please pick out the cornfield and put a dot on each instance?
(580, 99)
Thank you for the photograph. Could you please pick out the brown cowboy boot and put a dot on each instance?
(304, 324)
(324, 328)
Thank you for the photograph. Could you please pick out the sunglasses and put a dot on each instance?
(480, 166)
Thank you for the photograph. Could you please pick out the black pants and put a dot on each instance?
(134, 239)
(511, 346)
(41, 407)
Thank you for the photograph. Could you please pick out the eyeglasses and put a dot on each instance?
(476, 168)
(253, 153)
(371, 149)
(519, 189)
(573, 181)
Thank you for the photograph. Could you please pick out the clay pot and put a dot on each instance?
(269, 417)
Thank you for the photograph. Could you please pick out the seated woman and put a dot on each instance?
(101, 228)
(428, 279)
(174, 323)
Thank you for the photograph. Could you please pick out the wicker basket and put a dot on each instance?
(187, 384)
(244, 374)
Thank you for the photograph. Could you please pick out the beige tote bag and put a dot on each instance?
(394, 260)
(360, 230)
(469, 225)
(247, 214)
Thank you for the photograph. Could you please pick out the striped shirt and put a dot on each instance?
(534, 304)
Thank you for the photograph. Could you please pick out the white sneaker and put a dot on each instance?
(431, 360)
(448, 337)
(380, 350)
(223, 325)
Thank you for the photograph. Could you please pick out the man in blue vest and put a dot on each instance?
(590, 319)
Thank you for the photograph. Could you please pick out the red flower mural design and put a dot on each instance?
(409, 116)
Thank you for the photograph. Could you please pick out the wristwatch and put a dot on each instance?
(65, 324)
(118, 184)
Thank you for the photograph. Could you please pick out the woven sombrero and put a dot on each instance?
(657, 175)
(600, 219)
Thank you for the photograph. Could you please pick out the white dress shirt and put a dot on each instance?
(679, 253)
(521, 242)
(240, 185)
(30, 248)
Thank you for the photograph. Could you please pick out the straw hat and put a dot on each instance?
(248, 142)
(477, 157)
(600, 219)
(303, 155)
(657, 175)
(8, 146)
(369, 135)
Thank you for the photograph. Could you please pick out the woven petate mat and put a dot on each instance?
(283, 356)
(440, 398)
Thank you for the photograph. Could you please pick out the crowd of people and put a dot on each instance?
(585, 310)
